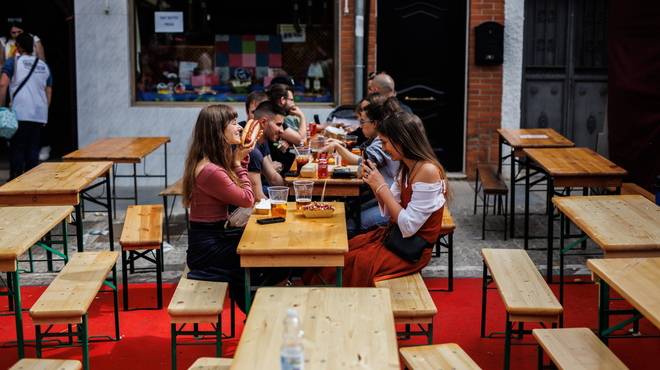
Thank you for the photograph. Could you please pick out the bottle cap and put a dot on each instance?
(291, 312)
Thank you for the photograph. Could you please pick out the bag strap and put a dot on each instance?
(34, 66)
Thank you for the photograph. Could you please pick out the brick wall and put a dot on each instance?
(484, 96)
(347, 50)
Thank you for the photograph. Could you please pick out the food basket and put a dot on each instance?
(335, 133)
(319, 214)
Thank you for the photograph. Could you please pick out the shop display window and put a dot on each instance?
(217, 51)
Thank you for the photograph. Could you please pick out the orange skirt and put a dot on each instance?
(367, 261)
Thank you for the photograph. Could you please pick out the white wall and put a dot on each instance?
(104, 92)
(514, 17)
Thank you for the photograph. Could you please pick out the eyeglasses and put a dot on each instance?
(14, 19)
(373, 75)
(363, 121)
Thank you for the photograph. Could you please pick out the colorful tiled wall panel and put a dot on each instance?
(255, 53)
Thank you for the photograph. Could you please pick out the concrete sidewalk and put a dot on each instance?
(467, 238)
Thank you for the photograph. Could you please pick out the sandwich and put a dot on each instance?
(250, 133)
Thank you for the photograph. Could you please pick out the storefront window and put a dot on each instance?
(211, 51)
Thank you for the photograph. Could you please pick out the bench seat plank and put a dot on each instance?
(69, 296)
(439, 356)
(143, 227)
(630, 188)
(211, 363)
(577, 349)
(43, 364)
(174, 189)
(194, 300)
(410, 297)
(524, 292)
(448, 224)
(492, 182)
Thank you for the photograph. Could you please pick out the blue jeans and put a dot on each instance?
(24, 148)
(370, 219)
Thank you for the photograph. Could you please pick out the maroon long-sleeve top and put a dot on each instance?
(214, 190)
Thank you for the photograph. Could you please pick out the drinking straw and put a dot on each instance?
(323, 192)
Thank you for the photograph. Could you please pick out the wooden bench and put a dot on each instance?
(576, 349)
(446, 239)
(411, 304)
(490, 182)
(40, 364)
(173, 190)
(629, 188)
(143, 231)
(197, 301)
(440, 356)
(526, 296)
(68, 297)
(211, 363)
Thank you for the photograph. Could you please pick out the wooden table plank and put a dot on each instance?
(297, 236)
(345, 328)
(636, 279)
(117, 149)
(515, 138)
(21, 227)
(52, 183)
(623, 225)
(582, 166)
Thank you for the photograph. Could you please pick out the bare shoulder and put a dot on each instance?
(428, 173)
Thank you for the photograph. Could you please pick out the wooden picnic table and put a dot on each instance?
(59, 184)
(517, 140)
(344, 328)
(624, 226)
(297, 242)
(568, 168)
(122, 150)
(636, 279)
(21, 228)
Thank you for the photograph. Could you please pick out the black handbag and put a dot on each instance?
(410, 248)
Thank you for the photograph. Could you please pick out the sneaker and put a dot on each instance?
(44, 153)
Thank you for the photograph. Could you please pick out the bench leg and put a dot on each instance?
(476, 192)
(82, 328)
(218, 337)
(507, 344)
(14, 299)
(484, 296)
(124, 276)
(38, 338)
(166, 219)
(429, 333)
(450, 262)
(173, 340)
(159, 276)
(483, 218)
(248, 291)
(115, 298)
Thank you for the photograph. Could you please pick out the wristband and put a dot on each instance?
(378, 189)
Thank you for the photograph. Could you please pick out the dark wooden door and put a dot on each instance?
(422, 46)
(565, 67)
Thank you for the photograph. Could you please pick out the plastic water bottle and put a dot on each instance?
(292, 355)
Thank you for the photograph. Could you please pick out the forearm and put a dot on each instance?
(49, 94)
(41, 54)
(255, 182)
(293, 137)
(387, 199)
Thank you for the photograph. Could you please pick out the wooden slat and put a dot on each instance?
(410, 297)
(636, 279)
(344, 328)
(617, 223)
(211, 363)
(577, 349)
(117, 149)
(492, 182)
(560, 162)
(440, 356)
(630, 188)
(44, 364)
(143, 227)
(554, 139)
(197, 298)
(297, 235)
(448, 224)
(174, 189)
(52, 181)
(21, 227)
(521, 286)
(75, 287)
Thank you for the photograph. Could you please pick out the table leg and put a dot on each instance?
(550, 193)
(135, 188)
(248, 291)
(167, 219)
(603, 307)
(526, 232)
(108, 198)
(339, 276)
(79, 226)
(513, 195)
(166, 167)
(114, 187)
(18, 313)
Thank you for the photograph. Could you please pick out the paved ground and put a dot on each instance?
(467, 239)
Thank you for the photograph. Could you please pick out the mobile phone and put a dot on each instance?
(292, 174)
(271, 220)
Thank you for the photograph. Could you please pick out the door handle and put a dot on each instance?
(430, 98)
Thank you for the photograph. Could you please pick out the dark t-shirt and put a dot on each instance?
(257, 157)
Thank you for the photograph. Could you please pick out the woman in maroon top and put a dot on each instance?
(214, 177)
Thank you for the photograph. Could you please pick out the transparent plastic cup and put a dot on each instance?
(278, 196)
(303, 191)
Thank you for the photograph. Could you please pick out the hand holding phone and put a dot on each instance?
(272, 220)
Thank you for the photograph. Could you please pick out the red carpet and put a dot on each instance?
(145, 335)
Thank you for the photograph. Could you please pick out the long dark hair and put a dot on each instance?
(208, 141)
(407, 132)
(11, 23)
(380, 111)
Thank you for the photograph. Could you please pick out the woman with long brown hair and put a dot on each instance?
(215, 176)
(414, 203)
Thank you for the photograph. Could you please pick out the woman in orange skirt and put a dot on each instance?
(415, 202)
